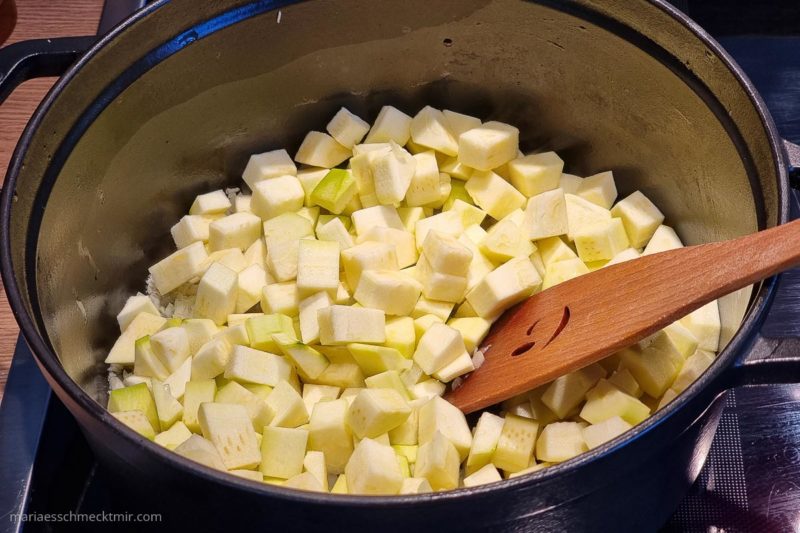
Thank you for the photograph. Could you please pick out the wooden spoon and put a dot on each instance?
(581, 321)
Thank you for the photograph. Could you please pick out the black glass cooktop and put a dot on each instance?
(751, 480)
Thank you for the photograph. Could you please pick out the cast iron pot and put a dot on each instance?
(173, 101)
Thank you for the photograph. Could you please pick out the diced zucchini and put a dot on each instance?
(237, 230)
(168, 408)
(560, 441)
(400, 335)
(335, 190)
(348, 129)
(505, 286)
(197, 392)
(288, 406)
(314, 463)
(229, 428)
(261, 328)
(313, 394)
(599, 189)
(484, 441)
(598, 434)
(257, 409)
(137, 421)
(330, 433)
(387, 290)
(268, 165)
(146, 363)
(340, 487)
(639, 216)
(174, 436)
(438, 461)
(429, 129)
(515, 445)
(442, 416)
(486, 474)
(488, 146)
(391, 124)
(373, 469)
(340, 324)
(135, 398)
(283, 451)
(376, 411)
(306, 360)
(565, 393)
(493, 194)
(393, 171)
(439, 346)
(124, 351)
(201, 450)
(179, 267)
(139, 303)
(606, 401)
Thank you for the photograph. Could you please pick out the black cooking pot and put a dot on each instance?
(175, 98)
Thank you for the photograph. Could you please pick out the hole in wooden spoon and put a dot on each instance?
(522, 349)
(561, 325)
(530, 329)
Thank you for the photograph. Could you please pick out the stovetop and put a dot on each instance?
(750, 482)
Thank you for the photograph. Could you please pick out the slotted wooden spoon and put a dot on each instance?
(581, 321)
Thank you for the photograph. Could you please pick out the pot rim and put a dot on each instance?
(49, 362)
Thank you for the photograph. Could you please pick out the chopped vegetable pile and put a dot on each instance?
(305, 330)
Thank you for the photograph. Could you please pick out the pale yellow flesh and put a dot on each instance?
(329, 311)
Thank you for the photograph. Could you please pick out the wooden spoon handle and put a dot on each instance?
(579, 322)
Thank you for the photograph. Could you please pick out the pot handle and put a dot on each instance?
(775, 353)
(38, 58)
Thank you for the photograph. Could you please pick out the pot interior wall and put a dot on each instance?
(188, 124)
